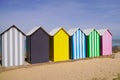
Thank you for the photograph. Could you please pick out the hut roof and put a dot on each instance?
(88, 31)
(102, 31)
(73, 30)
(13, 26)
(54, 31)
(34, 30)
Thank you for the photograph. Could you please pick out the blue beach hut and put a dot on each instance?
(77, 43)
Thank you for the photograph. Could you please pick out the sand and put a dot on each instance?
(90, 69)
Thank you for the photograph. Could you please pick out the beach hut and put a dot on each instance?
(93, 42)
(59, 45)
(106, 42)
(77, 43)
(13, 47)
(37, 45)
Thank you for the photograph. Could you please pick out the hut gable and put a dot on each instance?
(102, 31)
(13, 26)
(88, 31)
(32, 31)
(56, 30)
(35, 30)
(73, 30)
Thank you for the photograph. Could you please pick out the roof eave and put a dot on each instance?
(13, 26)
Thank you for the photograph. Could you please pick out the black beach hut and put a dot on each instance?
(37, 41)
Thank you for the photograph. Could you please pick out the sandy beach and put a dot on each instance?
(88, 69)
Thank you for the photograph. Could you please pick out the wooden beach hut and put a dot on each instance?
(13, 47)
(93, 42)
(77, 43)
(59, 45)
(106, 42)
(37, 45)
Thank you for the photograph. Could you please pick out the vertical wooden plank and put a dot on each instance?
(75, 46)
(90, 45)
(95, 44)
(21, 54)
(11, 47)
(80, 40)
(4, 50)
(75, 53)
(3, 54)
(72, 46)
(83, 45)
(23, 49)
(16, 47)
(99, 44)
(78, 44)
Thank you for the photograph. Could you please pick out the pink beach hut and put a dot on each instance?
(106, 42)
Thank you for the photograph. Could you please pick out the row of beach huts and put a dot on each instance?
(39, 46)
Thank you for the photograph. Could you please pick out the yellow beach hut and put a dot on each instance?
(59, 45)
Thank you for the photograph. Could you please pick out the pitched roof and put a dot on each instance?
(34, 30)
(13, 26)
(102, 31)
(55, 30)
(88, 31)
(72, 31)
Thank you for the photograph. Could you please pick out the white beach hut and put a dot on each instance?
(12, 47)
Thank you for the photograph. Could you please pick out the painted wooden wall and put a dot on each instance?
(106, 41)
(38, 46)
(93, 44)
(60, 47)
(78, 45)
(13, 47)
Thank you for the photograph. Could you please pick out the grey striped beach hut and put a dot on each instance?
(12, 47)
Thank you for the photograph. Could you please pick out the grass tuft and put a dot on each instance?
(118, 77)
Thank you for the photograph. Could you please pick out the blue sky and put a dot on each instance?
(50, 14)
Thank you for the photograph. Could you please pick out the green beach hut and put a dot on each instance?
(93, 42)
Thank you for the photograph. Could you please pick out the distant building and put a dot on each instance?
(106, 41)
(37, 45)
(59, 45)
(77, 43)
(13, 47)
